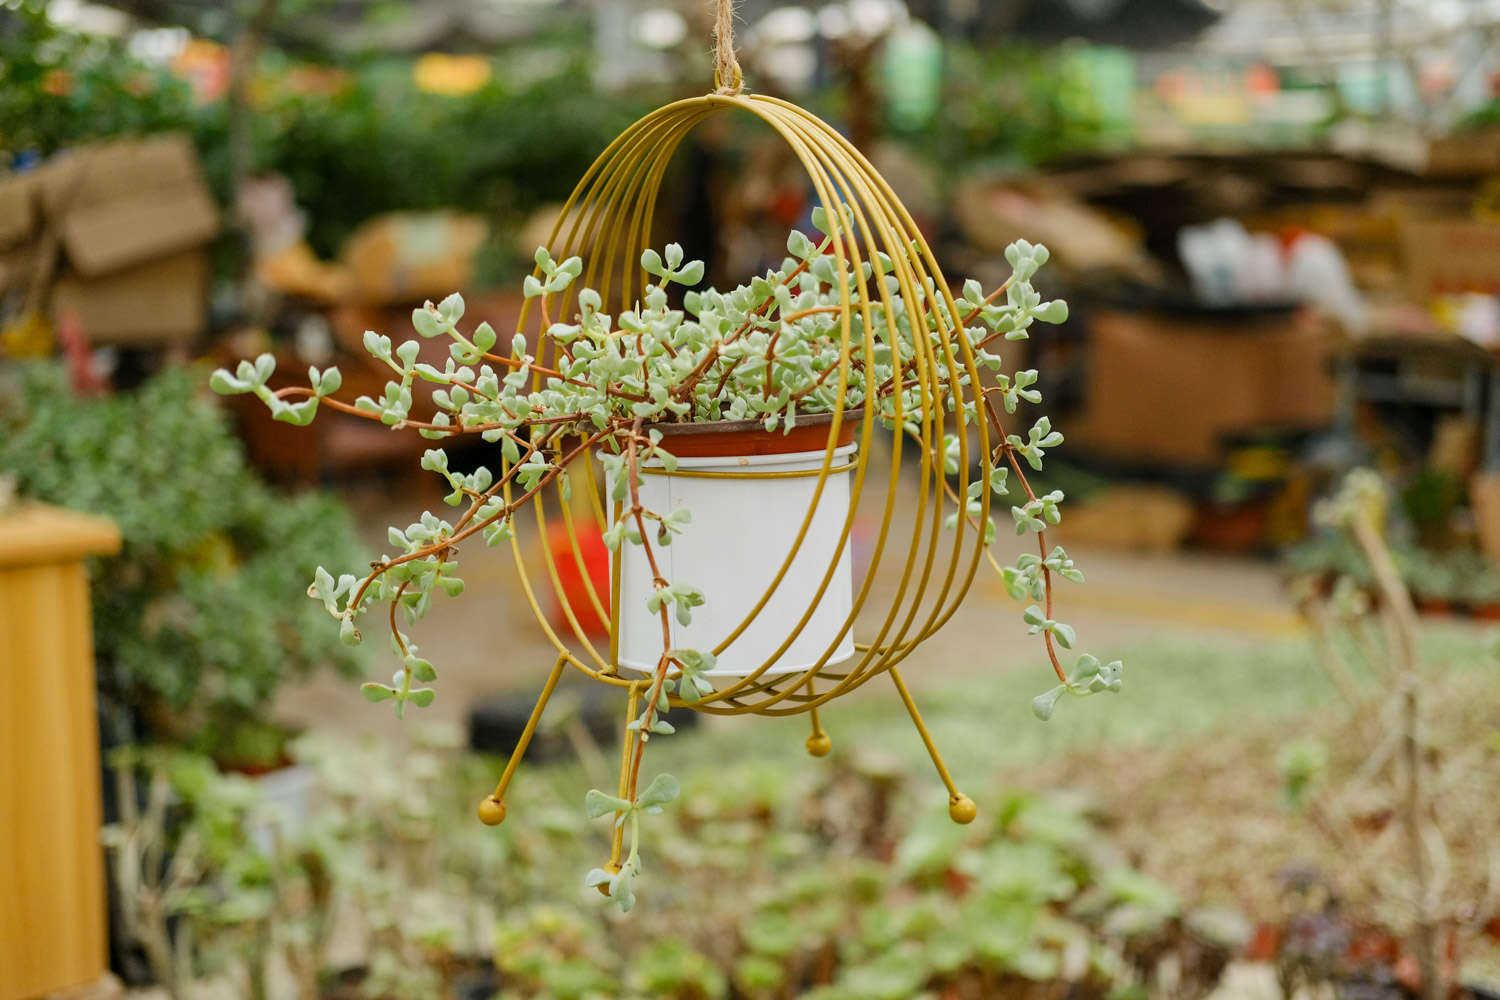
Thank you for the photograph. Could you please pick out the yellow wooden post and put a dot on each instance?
(52, 901)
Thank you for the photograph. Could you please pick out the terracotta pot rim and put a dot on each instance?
(714, 438)
(852, 419)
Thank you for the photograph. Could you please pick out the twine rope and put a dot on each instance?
(728, 80)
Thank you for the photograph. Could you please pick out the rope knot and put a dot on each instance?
(728, 79)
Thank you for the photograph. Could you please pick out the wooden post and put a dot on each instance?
(52, 900)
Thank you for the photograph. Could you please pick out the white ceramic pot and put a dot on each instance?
(742, 530)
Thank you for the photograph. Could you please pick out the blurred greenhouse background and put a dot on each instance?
(1276, 224)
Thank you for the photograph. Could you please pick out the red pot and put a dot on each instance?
(1433, 605)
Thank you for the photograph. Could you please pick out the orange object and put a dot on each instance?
(595, 558)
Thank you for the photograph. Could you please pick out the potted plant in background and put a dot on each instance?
(1480, 588)
(1324, 559)
(1432, 578)
(191, 634)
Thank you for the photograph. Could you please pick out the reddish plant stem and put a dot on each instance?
(988, 299)
(724, 378)
(962, 325)
(396, 632)
(820, 380)
(685, 388)
(463, 533)
(765, 387)
(518, 363)
(294, 391)
(450, 430)
(638, 751)
(1041, 536)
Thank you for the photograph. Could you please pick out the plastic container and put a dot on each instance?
(742, 530)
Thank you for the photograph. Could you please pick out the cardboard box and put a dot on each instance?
(16, 268)
(18, 210)
(1484, 498)
(1165, 388)
(1139, 518)
(1449, 257)
(122, 229)
(159, 300)
(117, 169)
(1468, 154)
(104, 238)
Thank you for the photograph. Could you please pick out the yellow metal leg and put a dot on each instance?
(819, 743)
(961, 808)
(492, 809)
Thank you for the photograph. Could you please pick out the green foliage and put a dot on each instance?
(249, 885)
(380, 145)
(1015, 102)
(771, 867)
(974, 911)
(1329, 554)
(1452, 575)
(1419, 544)
(192, 618)
(1432, 575)
(1479, 579)
(1429, 500)
(1089, 676)
(672, 969)
(1484, 117)
(1301, 762)
(375, 144)
(59, 88)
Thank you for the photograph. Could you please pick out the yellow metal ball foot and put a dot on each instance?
(819, 744)
(961, 809)
(492, 812)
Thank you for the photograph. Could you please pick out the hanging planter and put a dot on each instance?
(722, 451)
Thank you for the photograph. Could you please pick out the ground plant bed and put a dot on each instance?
(1209, 814)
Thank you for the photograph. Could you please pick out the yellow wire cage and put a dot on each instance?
(607, 223)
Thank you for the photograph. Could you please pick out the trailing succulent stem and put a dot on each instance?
(770, 351)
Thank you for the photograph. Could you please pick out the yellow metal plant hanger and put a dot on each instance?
(607, 222)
